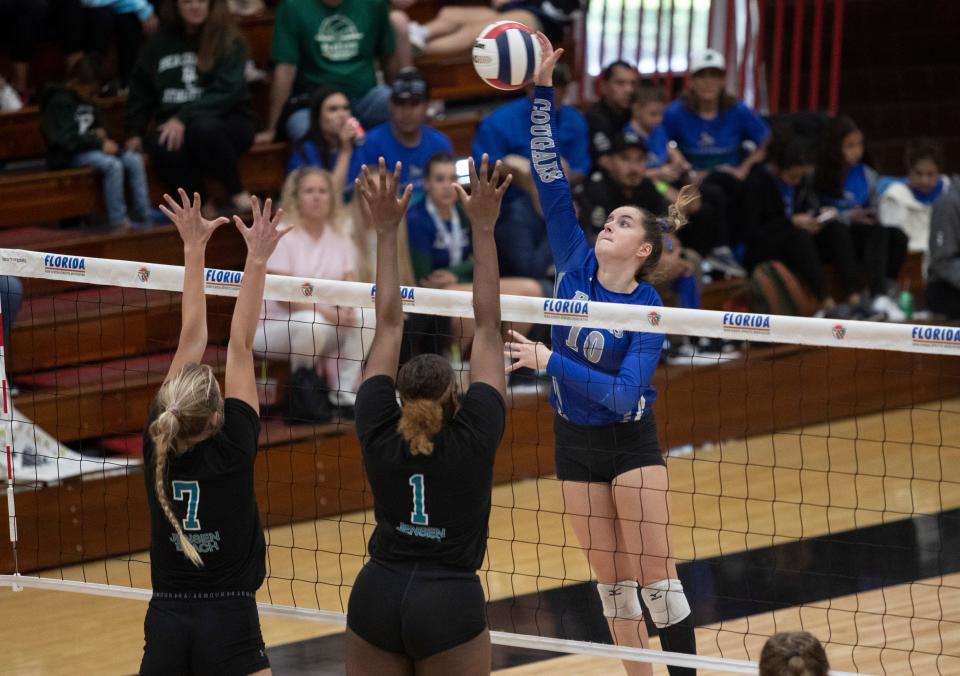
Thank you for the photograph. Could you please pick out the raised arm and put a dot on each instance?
(377, 193)
(195, 231)
(483, 208)
(566, 238)
(261, 241)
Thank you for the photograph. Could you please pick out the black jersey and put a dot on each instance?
(436, 506)
(210, 488)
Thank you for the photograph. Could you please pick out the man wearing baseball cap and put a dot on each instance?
(623, 181)
(406, 137)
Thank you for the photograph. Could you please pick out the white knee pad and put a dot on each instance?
(620, 600)
(666, 602)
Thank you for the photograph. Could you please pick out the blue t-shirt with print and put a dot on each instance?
(708, 144)
(381, 142)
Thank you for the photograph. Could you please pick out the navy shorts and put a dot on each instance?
(416, 608)
(603, 452)
(217, 634)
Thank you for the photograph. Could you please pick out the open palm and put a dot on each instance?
(266, 231)
(192, 226)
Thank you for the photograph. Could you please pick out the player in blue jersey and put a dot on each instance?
(417, 606)
(613, 475)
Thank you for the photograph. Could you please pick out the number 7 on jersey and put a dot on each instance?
(419, 515)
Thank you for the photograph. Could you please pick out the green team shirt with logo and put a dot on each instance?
(333, 46)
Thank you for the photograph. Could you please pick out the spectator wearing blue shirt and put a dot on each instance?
(438, 231)
(406, 137)
(331, 138)
(521, 232)
(710, 128)
(843, 180)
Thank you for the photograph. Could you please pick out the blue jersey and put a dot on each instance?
(381, 142)
(708, 144)
(656, 144)
(308, 155)
(600, 376)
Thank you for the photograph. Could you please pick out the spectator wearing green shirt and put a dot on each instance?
(331, 43)
(189, 83)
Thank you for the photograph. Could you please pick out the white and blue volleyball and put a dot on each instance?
(506, 55)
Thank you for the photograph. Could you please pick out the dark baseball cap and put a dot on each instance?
(626, 140)
(409, 85)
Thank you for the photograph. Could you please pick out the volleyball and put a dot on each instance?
(506, 55)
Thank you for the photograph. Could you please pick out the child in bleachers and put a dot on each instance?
(844, 182)
(907, 204)
(664, 161)
(76, 137)
(332, 136)
(781, 222)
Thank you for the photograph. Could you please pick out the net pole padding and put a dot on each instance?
(6, 442)
(923, 339)
(496, 637)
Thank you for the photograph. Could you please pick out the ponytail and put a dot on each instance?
(420, 420)
(164, 430)
(189, 405)
(656, 228)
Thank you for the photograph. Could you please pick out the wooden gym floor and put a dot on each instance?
(866, 476)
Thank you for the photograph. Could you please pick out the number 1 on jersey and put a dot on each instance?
(419, 515)
(192, 491)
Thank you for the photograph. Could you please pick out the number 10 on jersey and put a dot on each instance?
(418, 517)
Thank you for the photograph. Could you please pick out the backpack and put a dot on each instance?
(772, 289)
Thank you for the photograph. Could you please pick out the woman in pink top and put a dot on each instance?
(323, 337)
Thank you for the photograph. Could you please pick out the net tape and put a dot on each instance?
(714, 324)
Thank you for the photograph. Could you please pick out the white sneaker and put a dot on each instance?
(887, 305)
(418, 34)
(9, 99)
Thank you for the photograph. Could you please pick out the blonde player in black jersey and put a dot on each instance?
(207, 550)
(417, 606)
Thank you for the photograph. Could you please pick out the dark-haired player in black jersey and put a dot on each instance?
(417, 606)
(207, 550)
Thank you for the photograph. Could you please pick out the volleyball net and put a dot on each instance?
(814, 465)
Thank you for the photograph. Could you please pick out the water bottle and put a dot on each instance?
(361, 134)
(906, 303)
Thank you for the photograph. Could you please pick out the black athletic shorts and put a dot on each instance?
(416, 608)
(216, 633)
(603, 452)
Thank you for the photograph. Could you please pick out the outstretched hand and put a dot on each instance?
(529, 354)
(378, 197)
(194, 229)
(263, 235)
(548, 59)
(483, 203)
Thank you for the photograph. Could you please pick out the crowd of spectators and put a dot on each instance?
(344, 93)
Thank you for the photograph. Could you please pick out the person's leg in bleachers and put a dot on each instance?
(23, 21)
(111, 168)
(175, 167)
(215, 145)
(372, 108)
(136, 178)
(943, 299)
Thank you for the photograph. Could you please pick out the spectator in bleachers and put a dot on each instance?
(943, 274)
(664, 161)
(711, 128)
(73, 129)
(455, 27)
(793, 653)
(843, 181)
(619, 83)
(122, 23)
(521, 234)
(329, 144)
(189, 81)
(440, 244)
(23, 21)
(325, 338)
(329, 43)
(622, 181)
(11, 296)
(907, 204)
(406, 137)
(781, 223)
